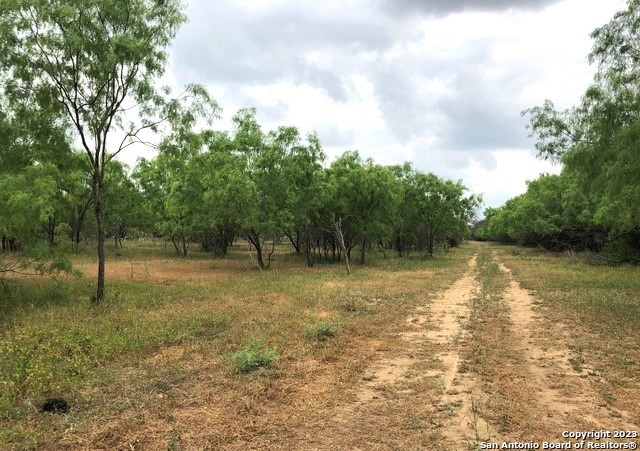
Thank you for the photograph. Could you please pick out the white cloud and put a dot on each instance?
(441, 83)
(508, 179)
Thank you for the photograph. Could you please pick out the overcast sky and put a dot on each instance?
(440, 83)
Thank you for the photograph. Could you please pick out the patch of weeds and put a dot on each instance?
(609, 397)
(463, 367)
(415, 421)
(252, 356)
(491, 279)
(320, 330)
(473, 443)
(451, 408)
(173, 444)
(576, 364)
(45, 360)
(628, 363)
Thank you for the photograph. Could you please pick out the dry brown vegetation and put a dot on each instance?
(424, 354)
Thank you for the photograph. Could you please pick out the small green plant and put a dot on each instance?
(174, 441)
(415, 421)
(320, 330)
(576, 364)
(519, 253)
(252, 356)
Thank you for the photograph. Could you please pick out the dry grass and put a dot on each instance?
(154, 373)
(496, 357)
(600, 307)
(539, 358)
(150, 368)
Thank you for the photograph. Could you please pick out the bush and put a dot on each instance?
(320, 330)
(252, 356)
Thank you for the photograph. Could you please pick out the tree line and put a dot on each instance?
(80, 86)
(594, 203)
(211, 187)
(208, 188)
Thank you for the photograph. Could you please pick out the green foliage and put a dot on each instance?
(97, 62)
(252, 356)
(173, 444)
(366, 197)
(433, 210)
(26, 199)
(126, 202)
(597, 142)
(321, 330)
(68, 72)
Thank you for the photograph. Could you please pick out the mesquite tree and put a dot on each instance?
(595, 199)
(102, 58)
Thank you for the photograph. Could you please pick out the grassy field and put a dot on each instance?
(203, 353)
(171, 325)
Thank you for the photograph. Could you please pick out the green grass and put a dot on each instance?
(252, 356)
(54, 349)
(321, 330)
(603, 297)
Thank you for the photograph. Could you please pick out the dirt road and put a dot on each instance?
(472, 373)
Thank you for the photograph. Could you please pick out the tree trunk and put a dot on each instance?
(259, 256)
(51, 230)
(97, 204)
(273, 249)
(430, 245)
(294, 242)
(308, 252)
(77, 221)
(254, 239)
(337, 227)
(363, 250)
(399, 244)
(76, 237)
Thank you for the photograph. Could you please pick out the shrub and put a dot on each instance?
(252, 356)
(320, 330)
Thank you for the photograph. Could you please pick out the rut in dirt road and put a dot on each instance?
(414, 394)
(463, 426)
(562, 380)
(526, 389)
(440, 328)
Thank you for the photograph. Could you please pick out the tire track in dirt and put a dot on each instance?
(561, 377)
(441, 323)
(426, 376)
(440, 326)
(462, 426)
